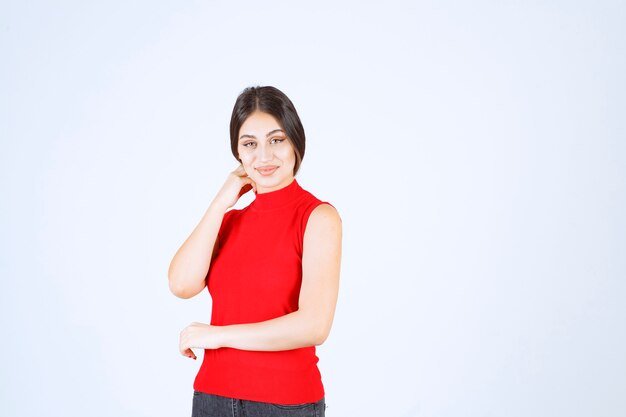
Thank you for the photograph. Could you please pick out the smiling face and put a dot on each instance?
(265, 152)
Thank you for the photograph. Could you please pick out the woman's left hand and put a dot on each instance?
(197, 335)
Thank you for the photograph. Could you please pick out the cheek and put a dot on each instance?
(287, 154)
(246, 161)
(245, 155)
(291, 156)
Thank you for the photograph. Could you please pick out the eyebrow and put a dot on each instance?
(254, 137)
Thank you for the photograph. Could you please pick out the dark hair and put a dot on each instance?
(274, 102)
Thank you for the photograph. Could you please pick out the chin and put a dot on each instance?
(270, 182)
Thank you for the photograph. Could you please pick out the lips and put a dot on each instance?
(269, 170)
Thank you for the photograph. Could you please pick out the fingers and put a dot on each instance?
(183, 345)
(240, 171)
(249, 184)
(237, 184)
(184, 349)
(189, 353)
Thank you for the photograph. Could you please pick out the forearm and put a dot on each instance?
(294, 330)
(311, 323)
(190, 265)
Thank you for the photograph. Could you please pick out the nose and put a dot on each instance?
(265, 153)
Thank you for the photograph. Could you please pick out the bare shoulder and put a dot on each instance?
(324, 217)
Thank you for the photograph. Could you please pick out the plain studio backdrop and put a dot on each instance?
(475, 152)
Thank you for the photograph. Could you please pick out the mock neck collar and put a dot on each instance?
(277, 198)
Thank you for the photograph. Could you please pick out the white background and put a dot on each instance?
(475, 151)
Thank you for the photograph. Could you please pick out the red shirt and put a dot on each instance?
(256, 276)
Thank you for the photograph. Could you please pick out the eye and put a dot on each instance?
(248, 144)
(277, 140)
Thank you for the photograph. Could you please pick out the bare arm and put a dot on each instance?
(311, 323)
(190, 265)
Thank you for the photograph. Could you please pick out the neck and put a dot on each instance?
(277, 198)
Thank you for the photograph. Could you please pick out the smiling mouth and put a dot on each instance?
(267, 170)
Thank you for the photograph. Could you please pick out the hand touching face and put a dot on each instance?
(237, 184)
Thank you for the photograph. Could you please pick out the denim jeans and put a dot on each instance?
(209, 405)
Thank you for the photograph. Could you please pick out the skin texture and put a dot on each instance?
(257, 151)
(311, 323)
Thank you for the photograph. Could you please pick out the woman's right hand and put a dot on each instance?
(237, 184)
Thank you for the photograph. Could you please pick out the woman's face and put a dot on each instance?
(265, 152)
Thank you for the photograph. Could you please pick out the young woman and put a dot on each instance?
(272, 269)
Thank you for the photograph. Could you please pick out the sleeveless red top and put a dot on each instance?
(256, 276)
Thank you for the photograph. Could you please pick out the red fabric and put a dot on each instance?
(256, 276)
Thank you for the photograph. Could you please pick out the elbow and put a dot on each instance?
(184, 286)
(320, 334)
(317, 327)
(176, 281)
(180, 291)
(177, 290)
(319, 340)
